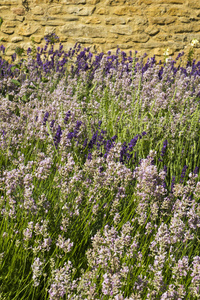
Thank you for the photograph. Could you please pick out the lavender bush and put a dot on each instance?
(99, 185)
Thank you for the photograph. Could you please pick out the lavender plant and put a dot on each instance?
(99, 176)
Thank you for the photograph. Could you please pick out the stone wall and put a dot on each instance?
(149, 26)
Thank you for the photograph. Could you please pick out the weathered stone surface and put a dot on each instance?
(177, 11)
(20, 11)
(19, 18)
(28, 28)
(81, 10)
(156, 10)
(72, 30)
(4, 8)
(38, 38)
(49, 30)
(3, 37)
(163, 36)
(25, 46)
(54, 10)
(194, 4)
(95, 32)
(184, 20)
(83, 30)
(92, 20)
(162, 20)
(8, 27)
(171, 1)
(73, 2)
(102, 11)
(92, 2)
(120, 2)
(37, 10)
(152, 44)
(185, 28)
(140, 38)
(16, 39)
(147, 2)
(99, 41)
(56, 22)
(115, 20)
(83, 40)
(152, 30)
(9, 2)
(122, 29)
(125, 10)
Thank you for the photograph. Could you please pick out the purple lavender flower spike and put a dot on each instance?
(70, 135)
(183, 173)
(45, 118)
(196, 170)
(58, 136)
(52, 123)
(89, 156)
(85, 143)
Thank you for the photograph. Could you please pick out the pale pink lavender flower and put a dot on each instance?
(37, 271)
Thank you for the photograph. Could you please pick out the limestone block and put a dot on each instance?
(56, 22)
(92, 20)
(177, 11)
(11, 47)
(19, 18)
(93, 2)
(49, 30)
(99, 40)
(8, 27)
(37, 10)
(9, 2)
(83, 30)
(55, 10)
(72, 30)
(96, 32)
(184, 20)
(19, 10)
(35, 2)
(156, 10)
(28, 28)
(25, 46)
(73, 2)
(39, 19)
(185, 28)
(162, 20)
(153, 44)
(195, 4)
(81, 11)
(16, 39)
(83, 40)
(125, 46)
(70, 19)
(125, 10)
(122, 29)
(38, 38)
(147, 2)
(102, 11)
(4, 8)
(3, 38)
(115, 20)
(120, 2)
(163, 36)
(140, 38)
(152, 30)
(172, 1)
